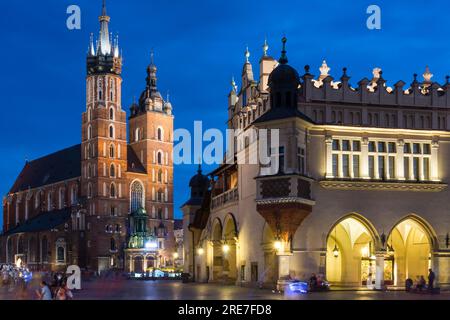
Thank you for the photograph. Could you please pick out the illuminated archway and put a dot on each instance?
(229, 248)
(138, 264)
(409, 245)
(351, 245)
(270, 272)
(216, 240)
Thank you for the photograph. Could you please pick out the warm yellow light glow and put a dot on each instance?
(277, 245)
(336, 251)
(226, 248)
(175, 255)
(200, 251)
(18, 263)
(365, 252)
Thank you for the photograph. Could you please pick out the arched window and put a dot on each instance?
(137, 196)
(44, 249)
(111, 89)
(112, 190)
(89, 132)
(118, 228)
(111, 151)
(113, 244)
(160, 134)
(112, 171)
(89, 192)
(100, 89)
(49, 202)
(137, 135)
(111, 113)
(36, 200)
(111, 131)
(160, 195)
(73, 196)
(61, 198)
(160, 175)
(160, 158)
(89, 114)
(60, 254)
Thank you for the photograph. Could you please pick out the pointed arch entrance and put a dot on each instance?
(351, 246)
(216, 240)
(409, 245)
(229, 249)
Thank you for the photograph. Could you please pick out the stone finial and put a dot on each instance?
(324, 70)
(427, 75)
(376, 73)
(265, 48)
(233, 85)
(247, 55)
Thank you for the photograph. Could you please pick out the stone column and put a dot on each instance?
(144, 263)
(364, 161)
(434, 172)
(329, 160)
(379, 271)
(400, 170)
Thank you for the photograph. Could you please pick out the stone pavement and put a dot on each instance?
(122, 289)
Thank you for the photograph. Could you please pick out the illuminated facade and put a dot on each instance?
(362, 185)
(77, 205)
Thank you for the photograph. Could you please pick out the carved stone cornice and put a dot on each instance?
(384, 185)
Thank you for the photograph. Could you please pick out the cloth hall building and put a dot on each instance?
(361, 188)
(85, 204)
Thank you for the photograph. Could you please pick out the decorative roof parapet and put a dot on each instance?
(375, 91)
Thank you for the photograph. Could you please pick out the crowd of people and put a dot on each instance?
(421, 285)
(15, 275)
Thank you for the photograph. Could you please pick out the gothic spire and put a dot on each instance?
(105, 42)
(151, 74)
(283, 58)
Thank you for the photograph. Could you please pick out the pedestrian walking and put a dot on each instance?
(431, 277)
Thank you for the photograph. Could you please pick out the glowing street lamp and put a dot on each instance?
(200, 251)
(277, 245)
(225, 248)
(175, 255)
(336, 251)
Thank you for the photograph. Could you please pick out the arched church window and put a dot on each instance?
(111, 151)
(113, 244)
(112, 170)
(74, 195)
(160, 175)
(160, 134)
(111, 113)
(137, 196)
(89, 132)
(100, 89)
(160, 158)
(49, 201)
(137, 135)
(112, 190)
(89, 193)
(111, 131)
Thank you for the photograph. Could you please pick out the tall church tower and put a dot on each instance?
(151, 138)
(104, 152)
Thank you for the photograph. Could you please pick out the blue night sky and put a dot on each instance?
(198, 46)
